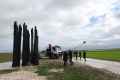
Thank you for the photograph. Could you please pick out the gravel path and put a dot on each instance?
(18, 75)
(22, 75)
(6, 65)
(104, 64)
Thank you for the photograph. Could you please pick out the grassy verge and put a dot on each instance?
(46, 65)
(76, 72)
(113, 55)
(8, 71)
(5, 57)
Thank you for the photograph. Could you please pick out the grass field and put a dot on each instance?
(5, 57)
(113, 55)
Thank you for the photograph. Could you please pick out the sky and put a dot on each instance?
(63, 22)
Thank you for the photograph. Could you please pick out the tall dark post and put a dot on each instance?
(26, 48)
(36, 54)
(14, 64)
(24, 45)
(32, 48)
(19, 45)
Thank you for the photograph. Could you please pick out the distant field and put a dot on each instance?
(113, 55)
(5, 57)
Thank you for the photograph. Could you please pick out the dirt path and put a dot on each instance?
(6, 65)
(104, 64)
(22, 75)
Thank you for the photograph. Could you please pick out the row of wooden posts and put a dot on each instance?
(22, 51)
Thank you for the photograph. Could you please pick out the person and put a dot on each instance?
(65, 58)
(49, 51)
(55, 56)
(84, 55)
(79, 52)
(70, 57)
(76, 54)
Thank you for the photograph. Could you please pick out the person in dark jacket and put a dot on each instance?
(76, 54)
(70, 57)
(84, 55)
(79, 52)
(65, 58)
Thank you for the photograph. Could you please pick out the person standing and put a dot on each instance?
(70, 57)
(79, 52)
(76, 54)
(65, 58)
(50, 51)
(84, 55)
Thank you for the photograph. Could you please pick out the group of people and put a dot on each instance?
(68, 56)
(80, 54)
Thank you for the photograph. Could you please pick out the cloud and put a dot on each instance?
(63, 22)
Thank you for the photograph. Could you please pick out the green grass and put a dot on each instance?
(83, 73)
(42, 70)
(5, 57)
(113, 55)
(46, 65)
(76, 72)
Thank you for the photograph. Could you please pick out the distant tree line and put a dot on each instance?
(22, 51)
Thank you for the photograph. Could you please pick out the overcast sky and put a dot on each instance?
(63, 22)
